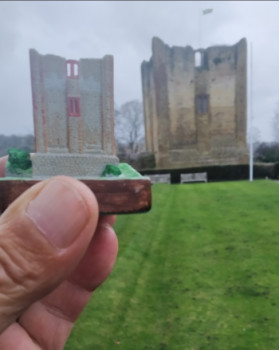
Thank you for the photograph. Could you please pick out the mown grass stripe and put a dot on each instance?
(200, 271)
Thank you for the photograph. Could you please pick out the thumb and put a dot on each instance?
(43, 236)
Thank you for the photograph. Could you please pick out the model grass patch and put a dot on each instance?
(19, 163)
(200, 271)
(122, 170)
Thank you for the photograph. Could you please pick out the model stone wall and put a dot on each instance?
(92, 84)
(195, 105)
(73, 111)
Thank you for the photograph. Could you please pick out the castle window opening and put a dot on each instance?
(75, 70)
(198, 59)
(72, 69)
(213, 109)
(73, 106)
(68, 70)
(202, 104)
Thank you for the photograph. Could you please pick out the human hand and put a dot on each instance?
(54, 251)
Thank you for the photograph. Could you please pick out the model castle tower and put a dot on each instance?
(73, 111)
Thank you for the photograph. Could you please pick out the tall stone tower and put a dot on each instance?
(195, 105)
(73, 111)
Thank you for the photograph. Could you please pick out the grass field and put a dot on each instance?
(199, 272)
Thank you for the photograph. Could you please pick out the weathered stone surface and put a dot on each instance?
(195, 114)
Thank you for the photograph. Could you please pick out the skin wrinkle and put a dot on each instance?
(21, 275)
(12, 288)
(20, 266)
(13, 273)
(19, 269)
(83, 295)
(34, 341)
(6, 307)
(51, 331)
(35, 266)
(57, 312)
(27, 323)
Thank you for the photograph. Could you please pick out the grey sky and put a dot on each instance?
(77, 29)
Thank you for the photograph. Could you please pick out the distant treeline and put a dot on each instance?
(267, 152)
(264, 152)
(25, 143)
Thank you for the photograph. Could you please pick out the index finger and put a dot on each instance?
(3, 161)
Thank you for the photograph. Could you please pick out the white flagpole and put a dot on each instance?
(251, 173)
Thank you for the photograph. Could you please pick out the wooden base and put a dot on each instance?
(113, 196)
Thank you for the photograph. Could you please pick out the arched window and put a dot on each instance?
(72, 68)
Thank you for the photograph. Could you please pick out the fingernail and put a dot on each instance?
(59, 213)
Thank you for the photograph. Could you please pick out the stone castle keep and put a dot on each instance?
(73, 111)
(195, 105)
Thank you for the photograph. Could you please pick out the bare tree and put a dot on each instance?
(267, 152)
(129, 128)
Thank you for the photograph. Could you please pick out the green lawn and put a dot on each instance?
(200, 271)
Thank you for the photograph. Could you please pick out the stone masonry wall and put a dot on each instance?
(172, 82)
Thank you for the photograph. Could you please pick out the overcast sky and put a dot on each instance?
(77, 29)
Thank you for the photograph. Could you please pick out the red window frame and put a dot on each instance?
(73, 106)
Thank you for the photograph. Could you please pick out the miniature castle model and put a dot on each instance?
(73, 111)
(195, 105)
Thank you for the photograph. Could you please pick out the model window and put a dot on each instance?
(72, 69)
(198, 59)
(74, 106)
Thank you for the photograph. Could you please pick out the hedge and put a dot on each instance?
(222, 172)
